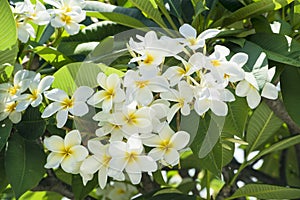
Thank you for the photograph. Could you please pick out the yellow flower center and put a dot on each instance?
(67, 103)
(166, 145)
(131, 157)
(34, 95)
(13, 90)
(141, 84)
(10, 107)
(215, 63)
(226, 76)
(110, 94)
(121, 191)
(131, 119)
(192, 41)
(106, 160)
(149, 59)
(66, 18)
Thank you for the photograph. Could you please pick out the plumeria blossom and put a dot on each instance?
(192, 40)
(63, 104)
(37, 87)
(68, 14)
(228, 70)
(21, 82)
(111, 93)
(36, 13)
(67, 152)
(9, 110)
(99, 161)
(167, 145)
(183, 97)
(25, 31)
(129, 157)
(140, 87)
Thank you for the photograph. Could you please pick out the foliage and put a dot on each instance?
(49, 60)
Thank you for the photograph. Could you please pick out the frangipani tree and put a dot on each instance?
(149, 99)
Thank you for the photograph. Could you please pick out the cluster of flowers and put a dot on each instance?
(67, 14)
(136, 110)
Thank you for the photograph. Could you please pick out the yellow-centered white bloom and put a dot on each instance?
(111, 93)
(9, 110)
(63, 104)
(167, 145)
(67, 152)
(129, 157)
(99, 161)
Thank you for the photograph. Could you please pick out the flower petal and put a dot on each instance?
(72, 138)
(171, 157)
(253, 98)
(83, 93)
(90, 165)
(51, 109)
(61, 118)
(79, 152)
(55, 144)
(180, 140)
(269, 91)
(56, 95)
(53, 160)
(79, 109)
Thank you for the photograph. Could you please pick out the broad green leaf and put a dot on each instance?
(283, 144)
(261, 24)
(5, 72)
(282, 51)
(292, 168)
(104, 8)
(231, 5)
(159, 178)
(151, 10)
(212, 135)
(236, 118)
(73, 75)
(264, 191)
(8, 35)
(52, 56)
(81, 191)
(24, 164)
(262, 125)
(3, 182)
(167, 194)
(190, 124)
(32, 125)
(289, 81)
(253, 9)
(5, 129)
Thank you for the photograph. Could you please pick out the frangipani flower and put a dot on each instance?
(183, 96)
(62, 104)
(68, 14)
(191, 39)
(129, 157)
(36, 13)
(97, 162)
(9, 110)
(167, 144)
(36, 87)
(111, 93)
(25, 30)
(66, 152)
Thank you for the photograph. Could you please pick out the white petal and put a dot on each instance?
(209, 33)
(156, 153)
(102, 177)
(54, 160)
(70, 165)
(55, 144)
(242, 88)
(171, 157)
(117, 164)
(253, 98)
(15, 117)
(83, 93)
(219, 108)
(51, 109)
(239, 58)
(79, 152)
(72, 138)
(72, 28)
(201, 106)
(56, 95)
(79, 109)
(135, 178)
(45, 83)
(173, 110)
(61, 118)
(269, 91)
(180, 140)
(188, 31)
(147, 164)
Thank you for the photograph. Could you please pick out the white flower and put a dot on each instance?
(183, 97)
(140, 88)
(111, 93)
(25, 30)
(65, 152)
(269, 90)
(62, 104)
(36, 87)
(167, 144)
(191, 39)
(97, 162)
(68, 14)
(132, 120)
(37, 13)
(9, 110)
(121, 191)
(129, 157)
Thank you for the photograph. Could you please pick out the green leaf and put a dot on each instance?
(262, 125)
(253, 9)
(24, 164)
(167, 194)
(151, 10)
(236, 118)
(32, 125)
(3, 182)
(52, 56)
(159, 178)
(8, 35)
(264, 191)
(6, 72)
(289, 80)
(132, 13)
(5, 129)
(80, 191)
(189, 124)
